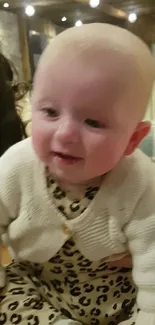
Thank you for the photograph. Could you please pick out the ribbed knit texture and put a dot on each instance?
(121, 217)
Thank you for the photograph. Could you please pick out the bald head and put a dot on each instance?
(91, 91)
(94, 46)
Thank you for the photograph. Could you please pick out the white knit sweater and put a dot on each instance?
(121, 217)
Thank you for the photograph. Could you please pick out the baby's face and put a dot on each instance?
(80, 129)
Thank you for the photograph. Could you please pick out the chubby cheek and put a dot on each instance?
(106, 151)
(41, 138)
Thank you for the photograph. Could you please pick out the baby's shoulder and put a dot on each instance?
(140, 166)
(132, 179)
(137, 165)
(133, 174)
(17, 158)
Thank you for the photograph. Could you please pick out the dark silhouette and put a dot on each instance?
(12, 129)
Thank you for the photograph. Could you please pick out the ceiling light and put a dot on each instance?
(78, 23)
(30, 11)
(64, 19)
(94, 3)
(33, 32)
(132, 17)
(6, 5)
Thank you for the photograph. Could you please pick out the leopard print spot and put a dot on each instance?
(92, 275)
(17, 291)
(31, 292)
(69, 280)
(116, 294)
(126, 287)
(66, 313)
(76, 291)
(88, 287)
(13, 306)
(96, 312)
(85, 263)
(103, 288)
(33, 320)
(46, 285)
(94, 321)
(91, 192)
(84, 301)
(49, 294)
(101, 299)
(56, 270)
(72, 306)
(111, 283)
(59, 299)
(3, 318)
(126, 303)
(69, 265)
(115, 307)
(82, 312)
(16, 319)
(35, 281)
(119, 279)
(58, 193)
(57, 285)
(2, 298)
(75, 206)
(51, 316)
(62, 210)
(56, 260)
(102, 267)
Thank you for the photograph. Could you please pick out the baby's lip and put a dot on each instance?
(66, 155)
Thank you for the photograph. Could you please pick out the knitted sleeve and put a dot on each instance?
(9, 195)
(140, 233)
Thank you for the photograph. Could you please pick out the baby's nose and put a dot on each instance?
(68, 132)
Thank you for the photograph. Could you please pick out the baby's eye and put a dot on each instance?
(93, 123)
(50, 112)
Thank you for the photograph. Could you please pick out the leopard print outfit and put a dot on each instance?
(69, 285)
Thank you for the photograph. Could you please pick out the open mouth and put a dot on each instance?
(66, 158)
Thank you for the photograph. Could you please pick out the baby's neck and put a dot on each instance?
(77, 189)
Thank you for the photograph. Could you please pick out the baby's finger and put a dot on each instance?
(124, 262)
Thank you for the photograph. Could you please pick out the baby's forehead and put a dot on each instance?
(91, 63)
(91, 70)
(94, 43)
(94, 57)
(84, 51)
(95, 54)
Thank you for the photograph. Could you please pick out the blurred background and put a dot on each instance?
(26, 27)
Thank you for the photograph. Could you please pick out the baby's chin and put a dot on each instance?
(65, 178)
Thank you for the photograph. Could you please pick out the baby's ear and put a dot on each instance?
(139, 134)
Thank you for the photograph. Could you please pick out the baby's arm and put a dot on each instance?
(140, 233)
(9, 197)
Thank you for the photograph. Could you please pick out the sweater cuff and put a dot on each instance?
(145, 318)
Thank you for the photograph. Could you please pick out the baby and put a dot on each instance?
(77, 194)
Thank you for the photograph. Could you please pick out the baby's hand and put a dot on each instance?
(124, 262)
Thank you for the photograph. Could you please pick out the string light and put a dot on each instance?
(94, 3)
(132, 17)
(6, 5)
(78, 23)
(64, 19)
(30, 11)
